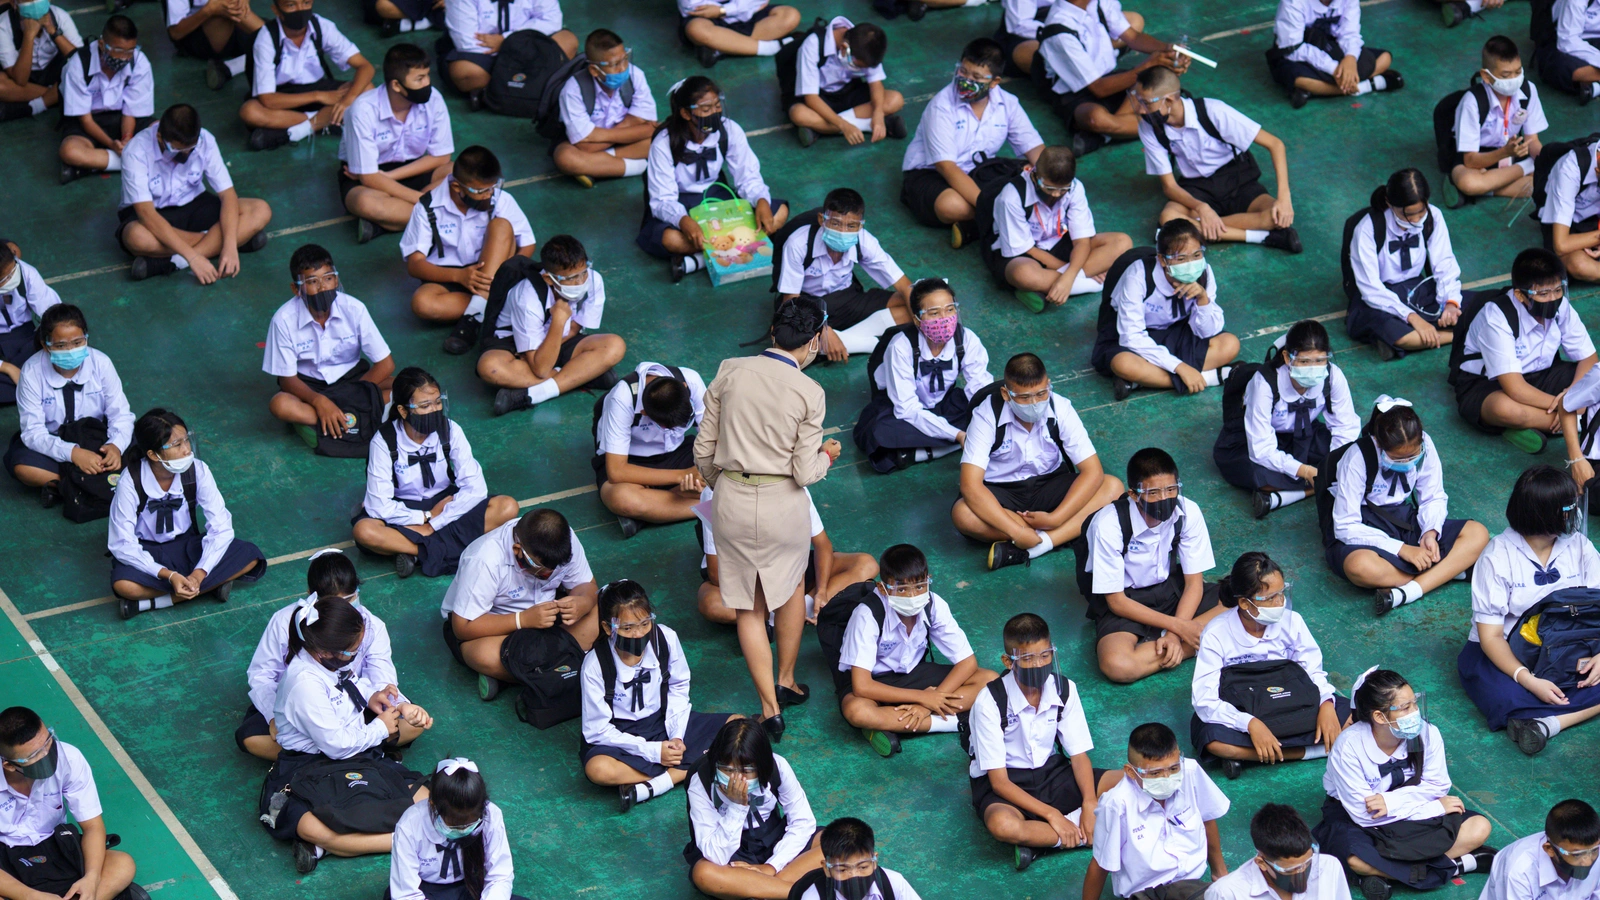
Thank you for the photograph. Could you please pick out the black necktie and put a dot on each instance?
(1399, 479)
(449, 861)
(703, 160)
(5, 309)
(426, 461)
(1301, 409)
(1177, 308)
(933, 370)
(1404, 246)
(69, 400)
(641, 678)
(1395, 769)
(1544, 576)
(348, 685)
(164, 508)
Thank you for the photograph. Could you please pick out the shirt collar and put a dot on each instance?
(303, 315)
(404, 441)
(1563, 542)
(1049, 697)
(1031, 196)
(1371, 750)
(948, 352)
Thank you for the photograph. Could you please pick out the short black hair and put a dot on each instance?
(902, 563)
(1535, 266)
(1279, 833)
(624, 593)
(154, 429)
(668, 402)
(561, 253)
(1175, 233)
(600, 41)
(1537, 501)
(18, 725)
(868, 43)
(56, 316)
(1159, 80)
(985, 52)
(1024, 628)
(1500, 49)
(1057, 165)
(545, 535)
(847, 837)
(1306, 334)
(797, 322)
(844, 201)
(401, 60)
(1153, 740)
(1148, 463)
(477, 164)
(120, 27)
(1025, 368)
(308, 258)
(180, 124)
(1572, 821)
(927, 287)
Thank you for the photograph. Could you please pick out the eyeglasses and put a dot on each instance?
(41, 752)
(840, 223)
(1554, 293)
(115, 53)
(706, 107)
(909, 588)
(347, 655)
(633, 629)
(536, 569)
(964, 72)
(1148, 105)
(480, 192)
(1029, 660)
(314, 283)
(620, 65)
(1276, 598)
(186, 442)
(748, 773)
(428, 406)
(1566, 854)
(1176, 259)
(1295, 360)
(841, 871)
(1295, 869)
(1173, 769)
(74, 344)
(1160, 493)
(939, 312)
(1032, 397)
(1051, 188)
(1406, 709)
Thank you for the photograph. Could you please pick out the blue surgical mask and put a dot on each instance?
(840, 241)
(1030, 412)
(1187, 272)
(753, 790)
(451, 833)
(69, 359)
(1408, 726)
(38, 9)
(1399, 466)
(614, 80)
(1308, 377)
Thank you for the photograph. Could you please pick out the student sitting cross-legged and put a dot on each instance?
(220, 32)
(1570, 216)
(607, 112)
(1259, 642)
(1497, 125)
(1401, 277)
(1141, 567)
(1318, 51)
(453, 845)
(41, 853)
(476, 30)
(293, 93)
(735, 28)
(836, 86)
(640, 733)
(30, 81)
(850, 868)
(1556, 862)
(24, 296)
(426, 498)
(1030, 476)
(1564, 36)
(1579, 406)
(107, 93)
(644, 456)
(1287, 862)
(396, 146)
(1032, 783)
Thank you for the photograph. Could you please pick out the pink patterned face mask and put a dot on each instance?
(938, 331)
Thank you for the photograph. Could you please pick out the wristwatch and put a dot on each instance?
(427, 517)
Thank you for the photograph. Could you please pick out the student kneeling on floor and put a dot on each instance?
(40, 852)
(850, 868)
(1556, 862)
(1287, 863)
(474, 860)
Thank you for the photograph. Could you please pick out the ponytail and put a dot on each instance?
(1249, 573)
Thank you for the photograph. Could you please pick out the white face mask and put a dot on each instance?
(1269, 615)
(909, 606)
(572, 293)
(14, 280)
(1164, 787)
(180, 465)
(1505, 87)
(1308, 377)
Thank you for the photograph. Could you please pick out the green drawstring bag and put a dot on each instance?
(735, 247)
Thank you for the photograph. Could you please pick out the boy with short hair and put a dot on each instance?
(886, 679)
(459, 235)
(1498, 121)
(1318, 52)
(608, 114)
(1565, 48)
(1286, 863)
(819, 261)
(735, 28)
(32, 58)
(396, 146)
(46, 779)
(644, 456)
(476, 30)
(850, 862)
(292, 91)
(217, 31)
(106, 95)
(1156, 830)
(1570, 217)
(1556, 862)
(837, 85)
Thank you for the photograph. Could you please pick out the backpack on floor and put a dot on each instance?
(1279, 692)
(546, 662)
(522, 73)
(787, 59)
(1552, 153)
(1472, 303)
(85, 498)
(547, 122)
(1558, 631)
(1328, 476)
(353, 796)
(362, 404)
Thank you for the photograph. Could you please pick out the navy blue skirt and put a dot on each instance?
(1232, 457)
(1341, 838)
(1374, 326)
(182, 554)
(1179, 340)
(1399, 522)
(1500, 698)
(698, 734)
(878, 433)
(20, 454)
(440, 553)
(16, 346)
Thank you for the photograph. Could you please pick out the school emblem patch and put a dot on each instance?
(352, 776)
(350, 423)
(35, 860)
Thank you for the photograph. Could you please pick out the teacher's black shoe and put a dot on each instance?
(1025, 857)
(1375, 888)
(787, 697)
(774, 728)
(305, 857)
(1528, 734)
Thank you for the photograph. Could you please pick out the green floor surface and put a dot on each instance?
(171, 685)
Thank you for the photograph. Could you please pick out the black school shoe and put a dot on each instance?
(1260, 504)
(629, 526)
(915, 10)
(269, 138)
(305, 857)
(1454, 13)
(217, 74)
(1298, 98)
(404, 565)
(883, 743)
(1484, 856)
(50, 494)
(708, 56)
(70, 173)
(962, 234)
(1393, 81)
(1024, 857)
(507, 400)
(256, 242)
(388, 28)
(127, 609)
(1005, 553)
(1232, 768)
(1528, 734)
(464, 337)
(894, 126)
(1283, 239)
(475, 100)
(222, 592)
(1085, 143)
(1122, 388)
(1375, 888)
(150, 267)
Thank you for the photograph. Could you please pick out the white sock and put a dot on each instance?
(1526, 165)
(1215, 377)
(921, 455)
(768, 48)
(544, 390)
(113, 161)
(975, 2)
(941, 724)
(406, 25)
(1468, 862)
(1253, 236)
(1459, 576)
(476, 307)
(300, 131)
(320, 852)
(180, 262)
(1044, 546)
(863, 123)
(1365, 87)
(659, 785)
(632, 167)
(1083, 284)
(162, 602)
(1315, 751)
(942, 452)
(1552, 725)
(235, 65)
(1475, 5)
(1594, 89)
(1280, 499)
(863, 336)
(36, 105)
(693, 263)
(1410, 592)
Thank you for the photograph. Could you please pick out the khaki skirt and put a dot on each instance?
(763, 532)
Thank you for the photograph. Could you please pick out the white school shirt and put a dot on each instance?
(1352, 776)
(41, 411)
(1246, 882)
(834, 73)
(460, 233)
(897, 883)
(297, 345)
(950, 131)
(732, 11)
(617, 432)
(128, 526)
(131, 91)
(1388, 489)
(913, 392)
(374, 136)
(1199, 154)
(1577, 21)
(178, 10)
(1583, 398)
(490, 581)
(299, 63)
(1265, 419)
(419, 849)
(609, 110)
(314, 714)
(1149, 558)
(825, 274)
(997, 745)
(600, 711)
(666, 178)
(466, 19)
(709, 545)
(1225, 642)
(717, 823)
(1018, 231)
(1078, 58)
(1024, 453)
(1523, 871)
(1377, 267)
(1021, 17)
(384, 501)
(1568, 200)
(526, 316)
(896, 648)
(1144, 842)
(1533, 349)
(150, 176)
(1508, 118)
(31, 298)
(1503, 585)
(25, 821)
(373, 663)
(1137, 313)
(44, 47)
(1295, 18)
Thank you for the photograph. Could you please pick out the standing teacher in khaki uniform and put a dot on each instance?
(760, 444)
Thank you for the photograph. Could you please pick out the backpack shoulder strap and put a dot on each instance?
(15, 20)
(83, 59)
(1064, 691)
(433, 223)
(1209, 126)
(1124, 508)
(1380, 228)
(191, 495)
(275, 34)
(138, 488)
(664, 660)
(608, 669)
(1369, 455)
(391, 439)
(1508, 307)
(1001, 702)
(586, 88)
(444, 448)
(316, 41)
(1480, 93)
(632, 381)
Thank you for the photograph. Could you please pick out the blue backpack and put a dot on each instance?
(1558, 631)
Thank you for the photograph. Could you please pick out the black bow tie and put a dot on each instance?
(348, 685)
(1301, 409)
(69, 400)
(1404, 246)
(1543, 576)
(164, 508)
(426, 461)
(449, 861)
(1395, 769)
(933, 370)
(703, 160)
(1401, 481)
(640, 679)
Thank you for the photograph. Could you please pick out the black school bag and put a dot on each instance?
(632, 381)
(997, 690)
(546, 663)
(1328, 476)
(1444, 120)
(1279, 692)
(781, 237)
(1558, 631)
(788, 58)
(547, 122)
(1238, 382)
(354, 796)
(1472, 303)
(362, 403)
(511, 273)
(85, 498)
(522, 72)
(1380, 233)
(983, 210)
(827, 888)
(1552, 153)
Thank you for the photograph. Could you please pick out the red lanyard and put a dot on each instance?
(1058, 216)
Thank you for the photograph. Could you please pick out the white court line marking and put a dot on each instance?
(1267, 24)
(98, 725)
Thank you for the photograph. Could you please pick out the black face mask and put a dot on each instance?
(633, 646)
(1294, 884)
(1160, 510)
(297, 20)
(853, 888)
(427, 423)
(321, 301)
(419, 95)
(334, 663)
(710, 124)
(484, 205)
(1155, 119)
(1544, 309)
(1034, 677)
(111, 64)
(1566, 870)
(44, 767)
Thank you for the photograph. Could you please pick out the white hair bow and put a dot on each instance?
(449, 766)
(1362, 679)
(306, 614)
(674, 89)
(325, 551)
(1384, 403)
